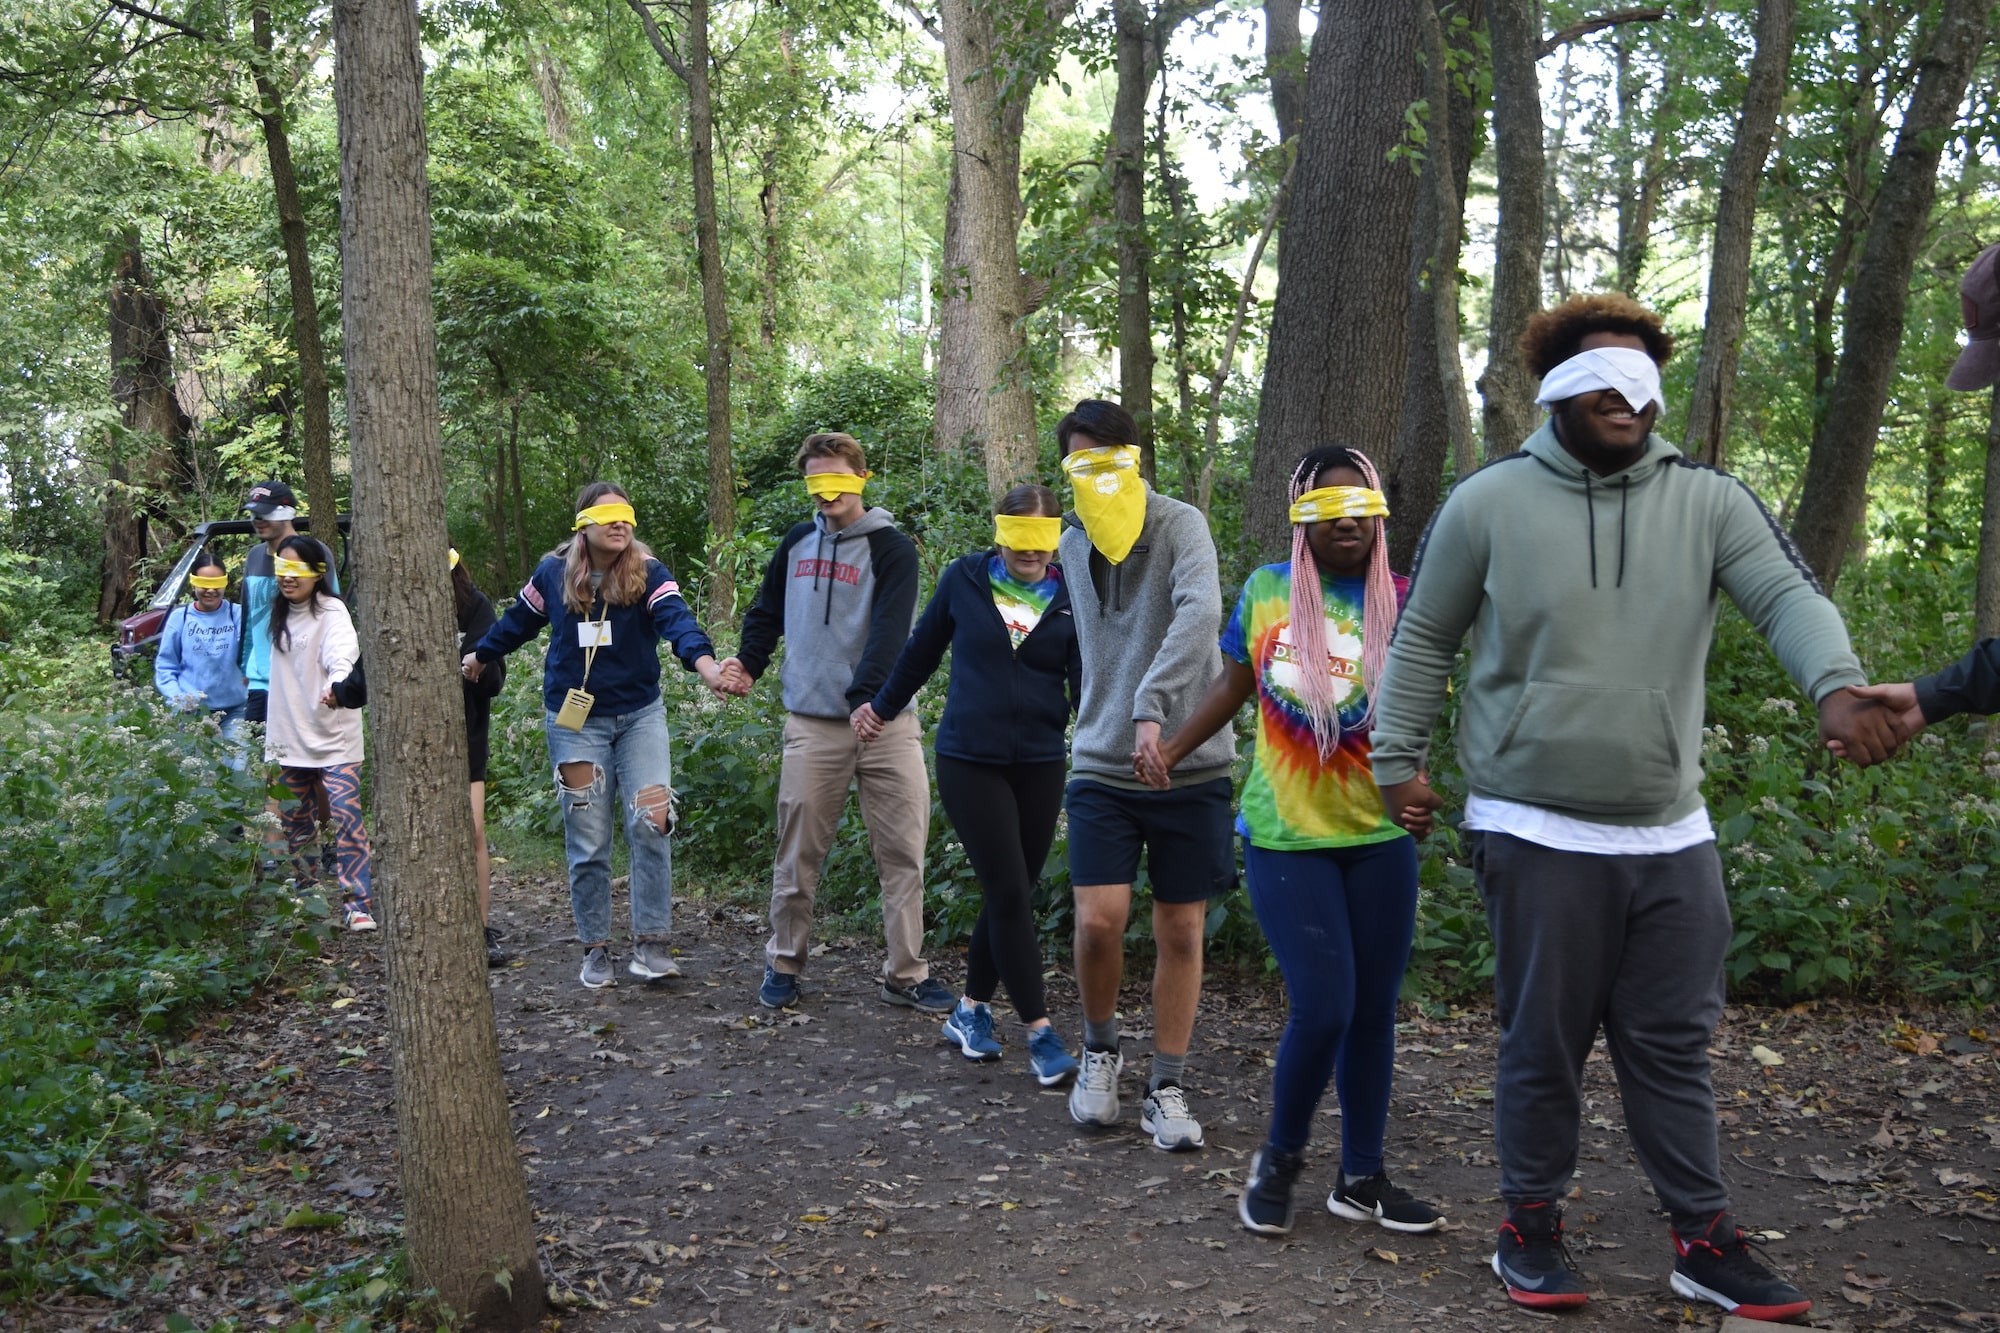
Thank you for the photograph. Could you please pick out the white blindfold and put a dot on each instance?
(1628, 370)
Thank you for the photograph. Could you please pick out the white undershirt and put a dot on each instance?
(1534, 823)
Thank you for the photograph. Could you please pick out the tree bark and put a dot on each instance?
(1436, 422)
(1986, 607)
(1132, 43)
(1937, 467)
(466, 1217)
(1175, 186)
(149, 455)
(315, 395)
(1835, 496)
(523, 560)
(693, 71)
(1245, 293)
(986, 123)
(1335, 364)
(960, 396)
(1735, 220)
(1285, 66)
(1510, 415)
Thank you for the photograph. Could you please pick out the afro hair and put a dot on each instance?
(1554, 336)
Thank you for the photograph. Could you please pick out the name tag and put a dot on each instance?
(593, 633)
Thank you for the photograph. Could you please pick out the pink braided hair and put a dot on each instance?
(1378, 612)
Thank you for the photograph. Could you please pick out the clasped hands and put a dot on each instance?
(726, 680)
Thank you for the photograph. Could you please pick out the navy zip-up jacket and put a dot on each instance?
(1004, 705)
(1969, 685)
(625, 676)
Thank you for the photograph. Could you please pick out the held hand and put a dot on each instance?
(1149, 763)
(867, 723)
(1413, 805)
(711, 676)
(736, 677)
(471, 666)
(1900, 698)
(1859, 729)
(327, 700)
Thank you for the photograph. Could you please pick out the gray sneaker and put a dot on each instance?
(1094, 1099)
(1165, 1115)
(652, 961)
(596, 972)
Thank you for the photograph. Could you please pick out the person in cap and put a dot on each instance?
(1148, 604)
(841, 589)
(1979, 299)
(1002, 749)
(272, 508)
(608, 604)
(1586, 570)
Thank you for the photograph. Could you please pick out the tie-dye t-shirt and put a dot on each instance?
(1020, 604)
(1293, 799)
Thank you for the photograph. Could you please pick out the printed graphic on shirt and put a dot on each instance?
(839, 571)
(1293, 799)
(1021, 605)
(209, 635)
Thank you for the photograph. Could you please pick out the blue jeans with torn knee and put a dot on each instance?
(629, 754)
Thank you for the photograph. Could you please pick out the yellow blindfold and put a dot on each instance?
(826, 485)
(454, 557)
(212, 582)
(1330, 502)
(612, 511)
(296, 569)
(1020, 532)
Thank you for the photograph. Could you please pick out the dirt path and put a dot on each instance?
(701, 1163)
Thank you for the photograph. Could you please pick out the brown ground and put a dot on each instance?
(701, 1163)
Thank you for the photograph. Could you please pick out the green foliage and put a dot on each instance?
(129, 903)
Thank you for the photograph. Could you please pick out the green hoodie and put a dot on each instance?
(1591, 602)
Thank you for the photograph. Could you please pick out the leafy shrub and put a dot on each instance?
(129, 902)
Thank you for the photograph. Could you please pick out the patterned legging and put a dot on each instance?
(342, 784)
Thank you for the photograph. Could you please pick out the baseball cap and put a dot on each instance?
(1979, 292)
(272, 500)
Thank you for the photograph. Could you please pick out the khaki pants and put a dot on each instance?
(822, 759)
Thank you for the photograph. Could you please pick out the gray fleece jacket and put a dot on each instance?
(844, 602)
(1590, 602)
(1147, 630)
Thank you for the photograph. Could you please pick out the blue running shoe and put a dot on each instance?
(1049, 1058)
(971, 1026)
(779, 991)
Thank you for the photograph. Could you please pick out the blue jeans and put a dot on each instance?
(629, 754)
(1339, 921)
(230, 721)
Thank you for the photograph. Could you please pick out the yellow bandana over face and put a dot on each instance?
(1110, 496)
(295, 569)
(1339, 502)
(1018, 532)
(454, 557)
(611, 511)
(212, 582)
(828, 485)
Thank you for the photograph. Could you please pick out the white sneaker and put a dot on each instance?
(1165, 1115)
(1094, 1099)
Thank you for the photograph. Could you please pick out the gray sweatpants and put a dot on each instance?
(1634, 944)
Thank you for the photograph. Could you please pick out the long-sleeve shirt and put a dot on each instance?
(198, 656)
(1969, 685)
(321, 649)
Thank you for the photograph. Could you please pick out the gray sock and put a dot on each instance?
(1100, 1036)
(1167, 1069)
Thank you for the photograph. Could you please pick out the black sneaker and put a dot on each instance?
(1717, 1266)
(1376, 1199)
(1266, 1202)
(927, 995)
(1531, 1260)
(495, 955)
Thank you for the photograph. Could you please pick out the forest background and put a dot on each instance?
(672, 239)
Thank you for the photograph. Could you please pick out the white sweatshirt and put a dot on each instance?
(301, 731)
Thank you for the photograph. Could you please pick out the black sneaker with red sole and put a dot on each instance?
(1531, 1261)
(1718, 1266)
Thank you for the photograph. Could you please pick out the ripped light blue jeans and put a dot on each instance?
(630, 755)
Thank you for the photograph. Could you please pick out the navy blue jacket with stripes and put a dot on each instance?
(625, 676)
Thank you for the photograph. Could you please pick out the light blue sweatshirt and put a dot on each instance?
(198, 657)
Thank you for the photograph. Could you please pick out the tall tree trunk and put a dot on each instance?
(769, 201)
(1735, 219)
(960, 395)
(1510, 416)
(1937, 467)
(986, 120)
(150, 443)
(1336, 359)
(465, 1201)
(1835, 496)
(1641, 172)
(1436, 422)
(1285, 66)
(1227, 361)
(1175, 186)
(496, 511)
(315, 395)
(694, 73)
(523, 560)
(1986, 607)
(1134, 66)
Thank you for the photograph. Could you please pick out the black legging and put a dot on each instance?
(1005, 815)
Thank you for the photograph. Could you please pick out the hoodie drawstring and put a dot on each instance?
(827, 619)
(1590, 521)
(1624, 503)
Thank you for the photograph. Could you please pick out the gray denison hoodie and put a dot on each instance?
(1147, 629)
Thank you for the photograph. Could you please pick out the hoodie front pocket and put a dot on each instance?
(1590, 748)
